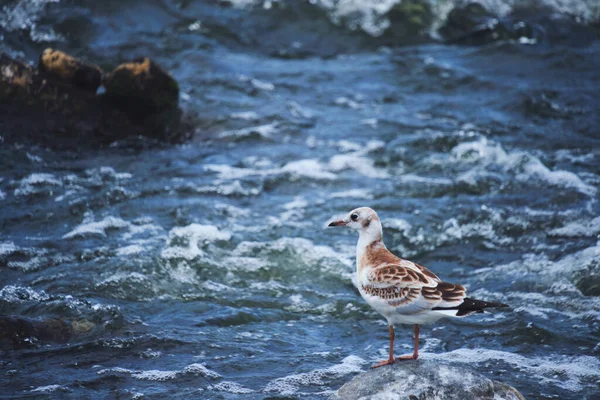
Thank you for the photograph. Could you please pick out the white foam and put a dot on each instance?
(303, 248)
(412, 178)
(130, 250)
(215, 286)
(32, 264)
(233, 211)
(582, 228)
(234, 188)
(363, 165)
(262, 85)
(186, 242)
(108, 172)
(160, 375)
(21, 294)
(34, 183)
(250, 264)
(7, 248)
(399, 224)
(24, 15)
(47, 389)
(311, 168)
(231, 387)
(245, 115)
(372, 122)
(98, 228)
(264, 131)
(200, 369)
(308, 168)
(120, 277)
(299, 111)
(541, 267)
(298, 304)
(295, 204)
(567, 372)
(229, 172)
(290, 384)
(34, 158)
(524, 166)
(352, 193)
(155, 375)
(347, 102)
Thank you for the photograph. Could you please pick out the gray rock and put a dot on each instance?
(424, 380)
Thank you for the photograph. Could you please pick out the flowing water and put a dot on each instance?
(205, 269)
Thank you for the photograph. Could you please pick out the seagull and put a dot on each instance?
(402, 291)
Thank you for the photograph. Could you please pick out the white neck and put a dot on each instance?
(368, 235)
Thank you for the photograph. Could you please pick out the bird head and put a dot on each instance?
(360, 219)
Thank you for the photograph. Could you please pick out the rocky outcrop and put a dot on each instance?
(425, 380)
(58, 104)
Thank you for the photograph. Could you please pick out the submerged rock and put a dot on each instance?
(425, 380)
(19, 330)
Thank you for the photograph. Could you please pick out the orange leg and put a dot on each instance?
(391, 359)
(415, 354)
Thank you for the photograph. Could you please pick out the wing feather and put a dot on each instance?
(410, 288)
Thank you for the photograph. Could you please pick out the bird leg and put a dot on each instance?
(415, 354)
(391, 358)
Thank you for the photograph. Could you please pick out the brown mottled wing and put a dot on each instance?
(452, 294)
(427, 272)
(401, 286)
(400, 274)
(411, 290)
(445, 294)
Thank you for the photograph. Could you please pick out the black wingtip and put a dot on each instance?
(471, 306)
(496, 305)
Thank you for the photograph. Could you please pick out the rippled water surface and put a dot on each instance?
(205, 269)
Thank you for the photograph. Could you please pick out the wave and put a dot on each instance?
(291, 28)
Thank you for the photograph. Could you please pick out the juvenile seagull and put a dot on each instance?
(402, 291)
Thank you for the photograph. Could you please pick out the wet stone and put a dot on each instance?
(19, 330)
(71, 70)
(142, 87)
(425, 380)
(409, 18)
(473, 24)
(56, 105)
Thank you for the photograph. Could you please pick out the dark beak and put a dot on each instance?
(337, 223)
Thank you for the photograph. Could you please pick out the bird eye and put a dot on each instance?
(354, 217)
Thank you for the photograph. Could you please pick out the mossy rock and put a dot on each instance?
(71, 70)
(141, 87)
(410, 18)
(51, 110)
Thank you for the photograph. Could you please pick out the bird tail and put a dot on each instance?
(469, 306)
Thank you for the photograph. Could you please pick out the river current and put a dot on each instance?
(205, 269)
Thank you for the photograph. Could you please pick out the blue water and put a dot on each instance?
(205, 270)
